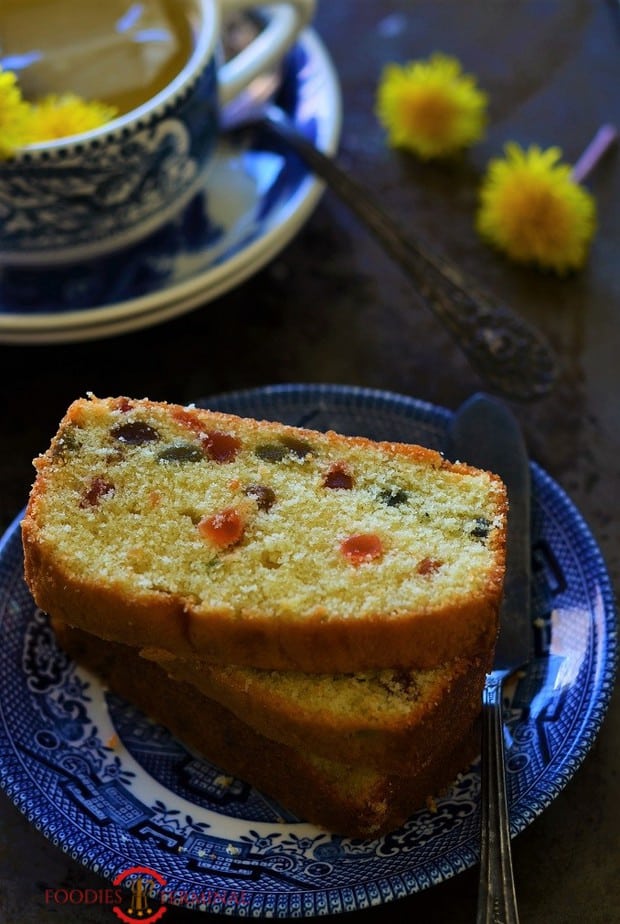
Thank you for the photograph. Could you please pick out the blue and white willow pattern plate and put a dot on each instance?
(253, 200)
(114, 790)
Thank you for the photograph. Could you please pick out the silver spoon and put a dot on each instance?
(511, 357)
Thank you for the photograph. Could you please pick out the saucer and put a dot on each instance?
(254, 199)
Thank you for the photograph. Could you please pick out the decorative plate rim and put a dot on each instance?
(330, 899)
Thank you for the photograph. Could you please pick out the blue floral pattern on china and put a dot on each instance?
(70, 200)
(113, 789)
(238, 205)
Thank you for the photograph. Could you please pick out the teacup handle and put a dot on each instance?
(286, 20)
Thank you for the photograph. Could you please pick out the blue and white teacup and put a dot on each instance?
(87, 195)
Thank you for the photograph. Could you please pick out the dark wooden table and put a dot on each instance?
(332, 308)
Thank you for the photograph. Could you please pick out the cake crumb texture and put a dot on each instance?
(252, 543)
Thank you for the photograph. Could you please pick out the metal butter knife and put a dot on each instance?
(485, 433)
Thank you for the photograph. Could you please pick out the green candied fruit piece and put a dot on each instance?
(181, 452)
(481, 529)
(298, 447)
(285, 446)
(393, 497)
(66, 443)
(271, 452)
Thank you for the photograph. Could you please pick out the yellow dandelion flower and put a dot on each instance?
(62, 116)
(431, 107)
(532, 209)
(14, 113)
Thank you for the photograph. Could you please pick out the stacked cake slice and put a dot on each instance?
(314, 613)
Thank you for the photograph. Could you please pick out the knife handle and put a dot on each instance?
(497, 901)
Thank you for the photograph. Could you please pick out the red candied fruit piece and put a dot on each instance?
(124, 405)
(338, 477)
(187, 418)
(362, 547)
(135, 433)
(428, 565)
(217, 445)
(264, 496)
(223, 529)
(97, 489)
(220, 446)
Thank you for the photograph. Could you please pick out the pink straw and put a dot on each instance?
(605, 137)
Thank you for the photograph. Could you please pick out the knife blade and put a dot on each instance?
(484, 432)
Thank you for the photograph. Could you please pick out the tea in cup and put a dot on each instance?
(157, 65)
(119, 53)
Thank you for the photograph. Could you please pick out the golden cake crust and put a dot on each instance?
(389, 719)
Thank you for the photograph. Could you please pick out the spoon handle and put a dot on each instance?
(511, 356)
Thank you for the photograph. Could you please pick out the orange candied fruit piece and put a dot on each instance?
(362, 547)
(124, 405)
(223, 529)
